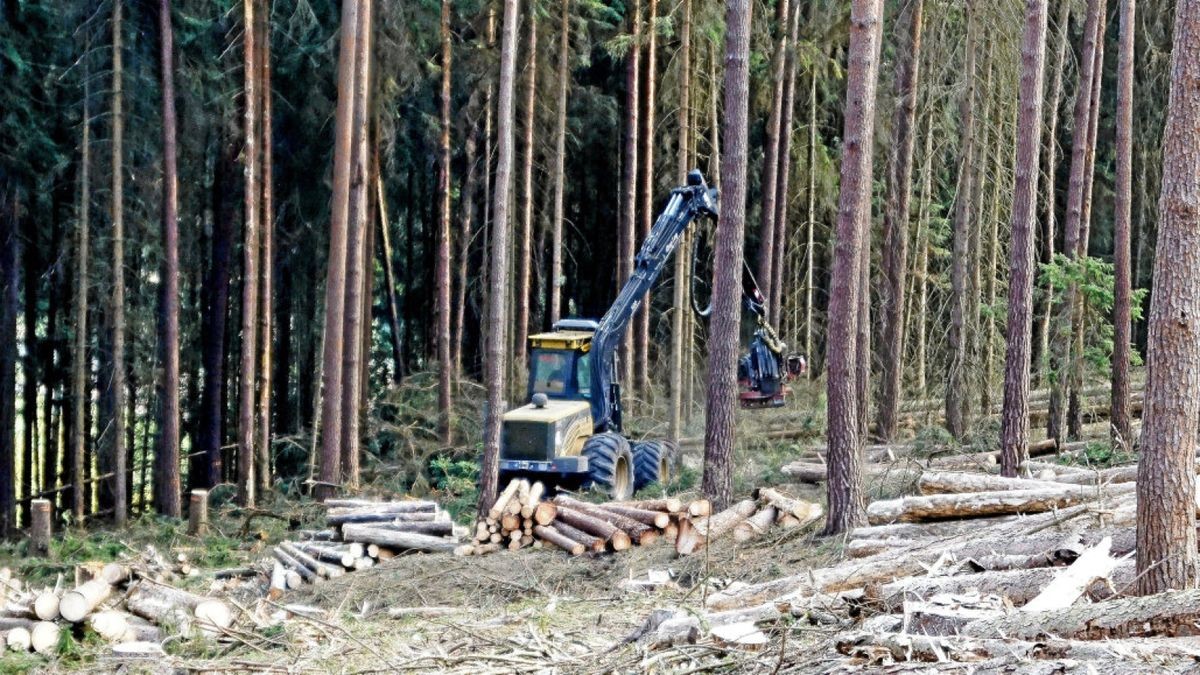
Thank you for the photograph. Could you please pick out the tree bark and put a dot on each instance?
(847, 508)
(466, 234)
(262, 473)
(9, 255)
(725, 325)
(117, 301)
(1119, 417)
(560, 154)
(445, 362)
(680, 307)
(896, 216)
(356, 224)
(959, 332)
(80, 395)
(330, 456)
(248, 371)
(1166, 523)
(497, 340)
(783, 179)
(389, 277)
(770, 167)
(629, 178)
(525, 235)
(1014, 418)
(922, 262)
(645, 215)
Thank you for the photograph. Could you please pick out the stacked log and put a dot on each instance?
(512, 520)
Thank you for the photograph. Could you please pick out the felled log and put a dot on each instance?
(861, 548)
(78, 603)
(597, 527)
(1065, 589)
(278, 581)
(667, 505)
(946, 528)
(45, 605)
(934, 507)
(340, 556)
(639, 533)
(319, 535)
(110, 625)
(18, 639)
(1116, 474)
(1018, 586)
(659, 519)
(756, 524)
(321, 569)
(290, 562)
(431, 528)
(532, 499)
(400, 540)
(560, 540)
(959, 650)
(589, 542)
(501, 504)
(1139, 616)
(815, 473)
(699, 508)
(159, 603)
(386, 511)
(714, 527)
(949, 614)
(687, 538)
(803, 511)
(943, 482)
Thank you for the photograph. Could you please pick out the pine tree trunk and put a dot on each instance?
(1166, 523)
(725, 325)
(989, 283)
(1061, 342)
(681, 308)
(629, 178)
(525, 238)
(896, 216)
(922, 264)
(262, 473)
(1014, 432)
(356, 223)
(167, 486)
(117, 302)
(1120, 419)
(330, 457)
(560, 155)
(247, 370)
(389, 278)
(645, 214)
(445, 362)
(847, 499)
(80, 396)
(494, 366)
(464, 250)
(29, 374)
(783, 178)
(811, 211)
(9, 297)
(1042, 355)
(770, 168)
(959, 333)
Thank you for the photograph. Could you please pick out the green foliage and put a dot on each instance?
(457, 480)
(1100, 455)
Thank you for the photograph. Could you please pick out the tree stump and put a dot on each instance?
(198, 513)
(39, 527)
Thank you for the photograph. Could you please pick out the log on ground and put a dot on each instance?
(972, 505)
(399, 540)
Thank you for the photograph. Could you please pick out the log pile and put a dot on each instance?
(122, 604)
(521, 517)
(361, 533)
(975, 568)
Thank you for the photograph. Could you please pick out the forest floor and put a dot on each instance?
(514, 611)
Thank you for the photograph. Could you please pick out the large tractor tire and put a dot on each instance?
(652, 461)
(610, 465)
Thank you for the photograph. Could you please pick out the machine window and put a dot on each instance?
(550, 372)
(583, 375)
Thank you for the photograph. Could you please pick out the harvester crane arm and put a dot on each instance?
(687, 203)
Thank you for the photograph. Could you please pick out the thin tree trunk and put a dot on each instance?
(9, 299)
(167, 486)
(389, 278)
(645, 214)
(989, 284)
(896, 216)
(496, 337)
(525, 238)
(1014, 419)
(811, 216)
(117, 307)
(80, 395)
(560, 154)
(783, 179)
(629, 177)
(1119, 419)
(247, 370)
(923, 260)
(771, 150)
(262, 472)
(330, 457)
(443, 309)
(464, 250)
(29, 372)
(355, 254)
(725, 325)
(682, 273)
(847, 499)
(959, 333)
(1051, 172)
(1166, 523)
(1061, 344)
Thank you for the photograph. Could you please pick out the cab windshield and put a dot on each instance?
(560, 374)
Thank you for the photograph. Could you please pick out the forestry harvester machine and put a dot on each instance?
(570, 432)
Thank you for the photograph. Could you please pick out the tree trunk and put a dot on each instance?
(725, 325)
(117, 302)
(525, 237)
(560, 154)
(467, 204)
(1014, 419)
(645, 215)
(30, 420)
(1061, 343)
(80, 396)
(262, 473)
(770, 168)
(9, 297)
(811, 211)
(680, 307)
(847, 508)
(1119, 418)
(959, 333)
(1166, 523)
(896, 216)
(166, 457)
(783, 178)
(356, 224)
(445, 363)
(629, 178)
(497, 340)
(247, 370)
(389, 278)
(330, 457)
(922, 262)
